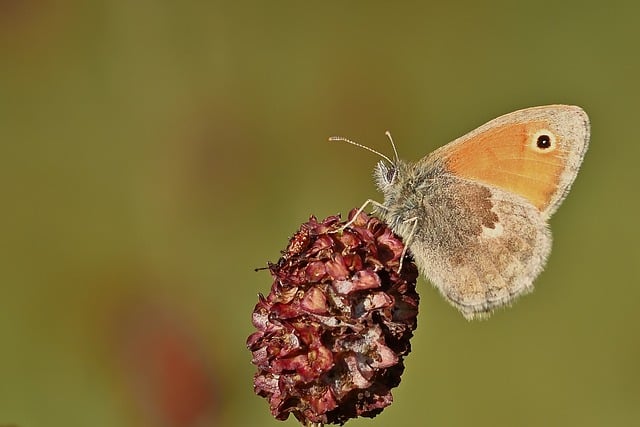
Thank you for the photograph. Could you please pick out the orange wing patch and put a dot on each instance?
(506, 157)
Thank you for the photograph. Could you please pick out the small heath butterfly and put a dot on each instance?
(474, 212)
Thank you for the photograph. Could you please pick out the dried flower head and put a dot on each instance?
(334, 330)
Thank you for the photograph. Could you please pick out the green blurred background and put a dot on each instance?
(154, 153)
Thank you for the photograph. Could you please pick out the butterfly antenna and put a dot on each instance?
(395, 152)
(343, 139)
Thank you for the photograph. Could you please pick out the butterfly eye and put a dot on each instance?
(391, 174)
(544, 141)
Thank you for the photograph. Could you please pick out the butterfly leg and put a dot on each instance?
(358, 212)
(414, 224)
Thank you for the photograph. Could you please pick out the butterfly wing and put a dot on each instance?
(535, 153)
(482, 236)
(480, 246)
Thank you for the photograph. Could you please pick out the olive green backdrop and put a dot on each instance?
(153, 153)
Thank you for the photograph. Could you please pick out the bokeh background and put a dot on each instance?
(153, 153)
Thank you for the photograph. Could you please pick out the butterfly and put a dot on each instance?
(474, 212)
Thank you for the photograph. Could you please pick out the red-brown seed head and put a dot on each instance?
(333, 332)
